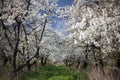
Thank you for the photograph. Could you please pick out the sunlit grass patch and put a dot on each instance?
(54, 73)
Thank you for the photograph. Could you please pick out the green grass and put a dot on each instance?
(53, 73)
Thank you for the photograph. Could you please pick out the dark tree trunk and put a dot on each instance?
(42, 61)
(78, 64)
(28, 66)
(45, 61)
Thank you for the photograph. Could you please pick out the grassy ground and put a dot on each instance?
(53, 73)
(4, 72)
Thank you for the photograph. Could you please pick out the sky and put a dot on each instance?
(64, 2)
(59, 25)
